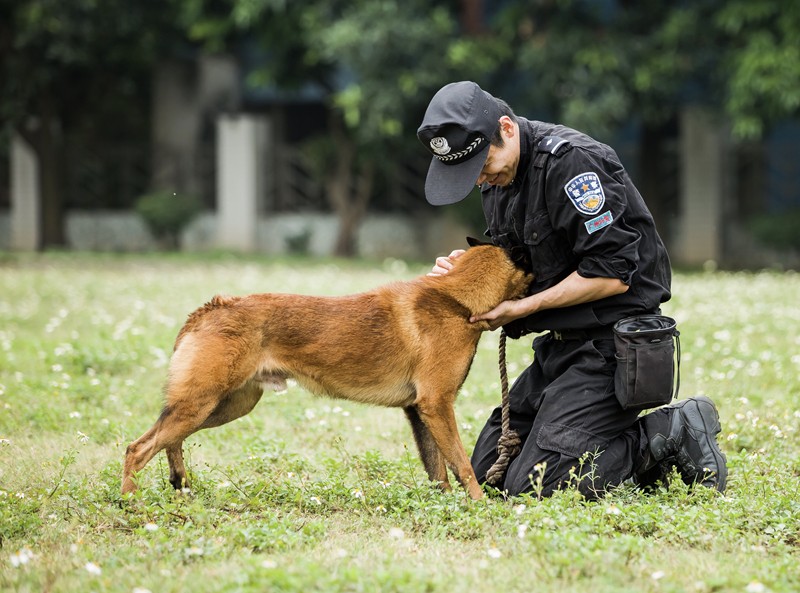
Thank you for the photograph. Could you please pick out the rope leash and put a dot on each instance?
(509, 443)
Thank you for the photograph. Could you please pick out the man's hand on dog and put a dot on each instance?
(445, 264)
(504, 313)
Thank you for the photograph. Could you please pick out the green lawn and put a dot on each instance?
(309, 494)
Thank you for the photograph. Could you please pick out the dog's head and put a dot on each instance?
(504, 273)
(518, 255)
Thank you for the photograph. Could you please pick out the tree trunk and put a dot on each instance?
(51, 156)
(348, 202)
(47, 142)
(658, 178)
(352, 213)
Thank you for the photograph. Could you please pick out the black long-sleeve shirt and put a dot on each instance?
(574, 207)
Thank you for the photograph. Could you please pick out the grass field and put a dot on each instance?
(308, 494)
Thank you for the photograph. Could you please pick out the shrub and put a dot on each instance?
(779, 231)
(167, 214)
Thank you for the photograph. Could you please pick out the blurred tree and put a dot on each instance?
(378, 63)
(75, 65)
(761, 68)
(597, 63)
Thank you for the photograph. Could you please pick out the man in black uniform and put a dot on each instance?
(596, 258)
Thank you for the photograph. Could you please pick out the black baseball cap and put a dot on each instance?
(458, 127)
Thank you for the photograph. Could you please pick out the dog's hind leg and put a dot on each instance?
(234, 405)
(177, 421)
(429, 452)
(177, 471)
(437, 413)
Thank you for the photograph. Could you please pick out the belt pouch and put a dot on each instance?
(646, 361)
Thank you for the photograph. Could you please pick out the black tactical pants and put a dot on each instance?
(564, 409)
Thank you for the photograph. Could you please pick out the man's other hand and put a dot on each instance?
(445, 264)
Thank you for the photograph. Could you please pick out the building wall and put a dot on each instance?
(314, 234)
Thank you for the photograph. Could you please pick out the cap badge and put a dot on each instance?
(440, 146)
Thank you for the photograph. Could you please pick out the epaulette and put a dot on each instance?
(548, 145)
(553, 145)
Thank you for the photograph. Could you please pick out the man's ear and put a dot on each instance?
(473, 242)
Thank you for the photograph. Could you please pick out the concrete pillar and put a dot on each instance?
(241, 163)
(26, 198)
(704, 185)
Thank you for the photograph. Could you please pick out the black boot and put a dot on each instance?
(683, 435)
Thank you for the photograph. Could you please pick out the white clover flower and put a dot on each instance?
(92, 568)
(21, 558)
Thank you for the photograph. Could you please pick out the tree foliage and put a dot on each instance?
(378, 63)
(595, 64)
(82, 67)
(76, 68)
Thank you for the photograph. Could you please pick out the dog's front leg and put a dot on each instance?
(429, 451)
(437, 413)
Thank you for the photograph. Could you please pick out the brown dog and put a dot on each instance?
(407, 344)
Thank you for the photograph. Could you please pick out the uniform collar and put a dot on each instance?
(527, 146)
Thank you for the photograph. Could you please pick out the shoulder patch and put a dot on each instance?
(586, 192)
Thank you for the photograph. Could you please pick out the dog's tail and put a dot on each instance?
(218, 302)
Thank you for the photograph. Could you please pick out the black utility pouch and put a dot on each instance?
(646, 361)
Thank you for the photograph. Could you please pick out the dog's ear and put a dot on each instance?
(473, 242)
(521, 257)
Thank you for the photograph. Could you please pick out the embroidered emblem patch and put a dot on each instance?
(586, 193)
(599, 222)
(439, 145)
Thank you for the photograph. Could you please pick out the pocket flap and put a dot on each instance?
(573, 442)
(537, 229)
